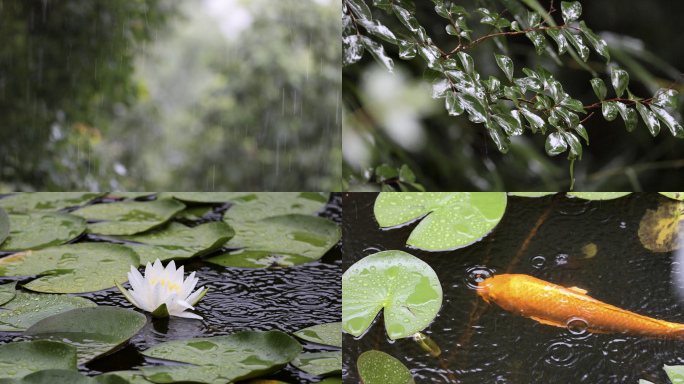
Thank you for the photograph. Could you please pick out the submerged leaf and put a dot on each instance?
(661, 230)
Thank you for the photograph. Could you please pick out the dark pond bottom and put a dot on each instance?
(541, 237)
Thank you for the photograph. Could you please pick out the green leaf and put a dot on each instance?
(72, 268)
(129, 217)
(533, 18)
(452, 104)
(467, 62)
(506, 65)
(46, 201)
(371, 284)
(376, 367)
(476, 110)
(571, 11)
(458, 10)
(407, 49)
(329, 380)
(430, 75)
(673, 195)
(376, 28)
(493, 85)
(610, 110)
(531, 194)
(501, 141)
(538, 40)
(557, 35)
(629, 115)
(23, 358)
(327, 334)
(598, 43)
(36, 230)
(555, 144)
(457, 219)
(599, 88)
(321, 363)
(675, 128)
(582, 132)
(352, 50)
(378, 52)
(573, 104)
(205, 197)
(222, 359)
(598, 195)
(490, 18)
(463, 29)
(194, 213)
(406, 18)
(431, 54)
(535, 121)
(360, 9)
(649, 118)
(578, 43)
(27, 308)
(510, 124)
(556, 90)
(4, 225)
(531, 83)
(7, 293)
(257, 206)
(132, 377)
(385, 172)
(575, 145)
(664, 98)
(620, 80)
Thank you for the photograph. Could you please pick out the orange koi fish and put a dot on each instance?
(564, 307)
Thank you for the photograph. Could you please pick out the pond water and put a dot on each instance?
(542, 237)
(239, 299)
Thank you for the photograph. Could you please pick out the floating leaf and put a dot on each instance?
(457, 218)
(27, 308)
(46, 201)
(571, 11)
(555, 144)
(673, 195)
(376, 367)
(649, 118)
(674, 372)
(129, 195)
(620, 80)
(598, 43)
(93, 331)
(131, 377)
(256, 206)
(321, 363)
(599, 88)
(328, 334)
(51, 376)
(530, 194)
(36, 230)
(372, 284)
(7, 292)
(660, 230)
(4, 225)
(72, 268)
(129, 217)
(194, 213)
(23, 358)
(222, 359)
(506, 65)
(599, 195)
(675, 128)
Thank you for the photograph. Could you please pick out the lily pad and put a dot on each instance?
(129, 217)
(205, 197)
(4, 225)
(194, 213)
(661, 230)
(93, 331)
(28, 308)
(177, 241)
(47, 201)
(675, 373)
(321, 363)
(671, 195)
(598, 195)
(377, 367)
(130, 195)
(72, 268)
(454, 219)
(257, 206)
(531, 194)
(222, 359)
(331, 380)
(131, 377)
(405, 286)
(295, 239)
(328, 334)
(7, 292)
(36, 230)
(25, 357)
(52, 376)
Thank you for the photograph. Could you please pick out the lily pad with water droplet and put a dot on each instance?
(52, 376)
(673, 195)
(131, 377)
(27, 308)
(598, 195)
(222, 359)
(129, 195)
(404, 286)
(321, 363)
(257, 206)
(23, 358)
(454, 219)
(4, 225)
(36, 230)
(93, 331)
(377, 367)
(177, 241)
(661, 230)
(7, 292)
(47, 201)
(204, 197)
(72, 268)
(675, 373)
(129, 217)
(194, 212)
(280, 241)
(327, 334)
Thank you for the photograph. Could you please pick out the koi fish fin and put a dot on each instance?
(548, 321)
(578, 290)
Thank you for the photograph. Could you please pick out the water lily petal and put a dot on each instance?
(185, 305)
(177, 277)
(169, 271)
(189, 315)
(158, 270)
(150, 274)
(192, 298)
(158, 295)
(139, 301)
(188, 285)
(136, 279)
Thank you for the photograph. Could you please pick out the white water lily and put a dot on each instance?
(162, 291)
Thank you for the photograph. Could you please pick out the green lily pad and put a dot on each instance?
(7, 292)
(598, 195)
(331, 380)
(130, 195)
(93, 331)
(205, 197)
(531, 194)
(262, 381)
(131, 377)
(47, 201)
(642, 381)
(295, 239)
(28, 308)
(377, 367)
(52, 376)
(328, 334)
(194, 213)
(257, 206)
(72, 268)
(177, 241)
(321, 363)
(222, 359)
(4, 225)
(675, 373)
(454, 220)
(36, 230)
(405, 286)
(671, 195)
(22, 358)
(129, 217)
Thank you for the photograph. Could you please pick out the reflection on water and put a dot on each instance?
(546, 238)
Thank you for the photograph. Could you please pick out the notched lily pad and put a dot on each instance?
(25, 357)
(377, 367)
(27, 308)
(321, 363)
(405, 286)
(327, 334)
(661, 230)
(37, 230)
(72, 268)
(47, 201)
(129, 217)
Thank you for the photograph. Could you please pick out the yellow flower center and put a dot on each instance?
(168, 284)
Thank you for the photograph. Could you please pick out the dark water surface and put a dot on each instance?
(483, 343)
(240, 299)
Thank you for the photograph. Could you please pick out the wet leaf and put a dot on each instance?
(455, 219)
(385, 172)
(467, 62)
(441, 88)
(557, 35)
(52, 376)
(360, 9)
(555, 144)
(406, 18)
(538, 40)
(582, 132)
(578, 43)
(321, 363)
(649, 118)
(370, 285)
(666, 98)
(129, 217)
(194, 213)
(620, 80)
(72, 268)
(36, 230)
(661, 230)
(93, 331)
(256, 206)
(571, 11)
(4, 225)
(352, 50)
(535, 121)
(46, 201)
(509, 123)
(132, 377)
(7, 292)
(610, 110)
(673, 195)
(501, 141)
(531, 83)
(506, 65)
(376, 28)
(222, 359)
(407, 50)
(598, 195)
(491, 18)
(129, 195)
(452, 105)
(674, 372)
(599, 88)
(574, 104)
(406, 174)
(675, 128)
(476, 110)
(27, 308)
(629, 115)
(327, 334)
(531, 194)
(376, 367)
(378, 52)
(598, 43)
(27, 357)
(575, 145)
